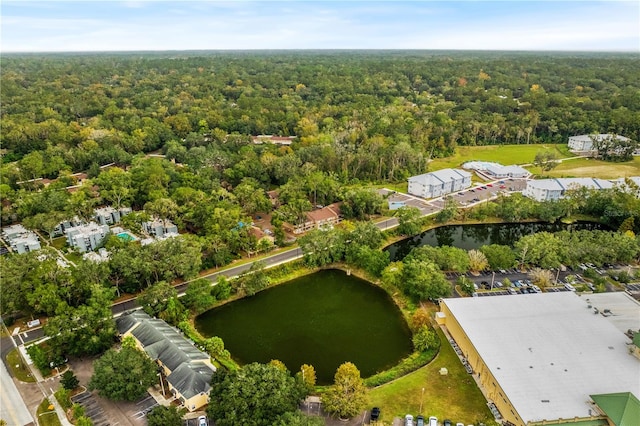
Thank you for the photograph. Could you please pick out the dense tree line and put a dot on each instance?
(350, 111)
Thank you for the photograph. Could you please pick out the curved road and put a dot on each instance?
(432, 207)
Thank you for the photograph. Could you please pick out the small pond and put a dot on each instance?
(322, 319)
(474, 236)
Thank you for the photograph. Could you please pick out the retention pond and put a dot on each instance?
(323, 319)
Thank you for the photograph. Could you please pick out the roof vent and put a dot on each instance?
(611, 347)
(545, 400)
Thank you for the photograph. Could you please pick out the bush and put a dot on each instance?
(406, 366)
(63, 397)
(425, 339)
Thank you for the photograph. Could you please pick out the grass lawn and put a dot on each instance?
(73, 257)
(503, 154)
(454, 396)
(21, 372)
(59, 242)
(47, 417)
(588, 167)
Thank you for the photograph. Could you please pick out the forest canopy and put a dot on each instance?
(348, 109)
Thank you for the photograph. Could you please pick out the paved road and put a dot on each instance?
(426, 208)
(12, 408)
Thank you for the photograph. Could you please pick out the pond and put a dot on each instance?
(322, 319)
(474, 236)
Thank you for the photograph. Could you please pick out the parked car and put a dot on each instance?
(375, 413)
(420, 421)
(202, 421)
(408, 420)
(569, 287)
(433, 421)
(446, 422)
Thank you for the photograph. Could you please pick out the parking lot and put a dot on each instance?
(92, 408)
(487, 191)
(144, 406)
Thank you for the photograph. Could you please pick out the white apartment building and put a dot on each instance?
(585, 142)
(439, 183)
(554, 189)
(87, 237)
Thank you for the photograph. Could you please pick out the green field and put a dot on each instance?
(503, 154)
(589, 167)
(454, 396)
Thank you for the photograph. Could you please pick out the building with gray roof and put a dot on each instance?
(554, 189)
(187, 369)
(20, 239)
(87, 237)
(439, 183)
(539, 357)
(497, 170)
(585, 142)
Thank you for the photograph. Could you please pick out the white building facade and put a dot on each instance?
(585, 142)
(88, 237)
(439, 183)
(20, 239)
(554, 189)
(110, 216)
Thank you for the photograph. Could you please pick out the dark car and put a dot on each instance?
(375, 413)
(419, 421)
(446, 422)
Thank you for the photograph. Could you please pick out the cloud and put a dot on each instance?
(146, 25)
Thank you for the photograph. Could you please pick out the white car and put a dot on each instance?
(433, 421)
(569, 287)
(408, 420)
(202, 421)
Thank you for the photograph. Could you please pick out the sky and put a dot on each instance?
(71, 26)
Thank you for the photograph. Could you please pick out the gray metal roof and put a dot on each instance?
(190, 374)
(191, 379)
(598, 137)
(548, 351)
(440, 176)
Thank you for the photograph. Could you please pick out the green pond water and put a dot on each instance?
(322, 319)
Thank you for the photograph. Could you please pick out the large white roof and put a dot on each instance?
(441, 176)
(599, 137)
(570, 183)
(548, 351)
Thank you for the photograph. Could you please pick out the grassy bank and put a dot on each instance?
(453, 396)
(18, 367)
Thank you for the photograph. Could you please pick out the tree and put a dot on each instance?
(165, 416)
(257, 394)
(123, 375)
(88, 329)
(466, 285)
(408, 220)
(253, 280)
(546, 160)
(499, 256)
(348, 395)
(422, 280)
(477, 261)
(198, 295)
(307, 375)
(154, 299)
(425, 339)
(69, 380)
(541, 277)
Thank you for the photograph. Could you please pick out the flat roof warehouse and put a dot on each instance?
(548, 352)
